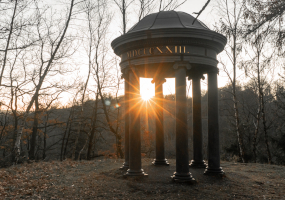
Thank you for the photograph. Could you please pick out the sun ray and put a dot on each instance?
(142, 100)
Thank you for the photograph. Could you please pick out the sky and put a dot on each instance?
(80, 59)
(208, 16)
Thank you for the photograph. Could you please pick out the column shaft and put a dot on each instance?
(160, 153)
(197, 124)
(134, 126)
(182, 158)
(213, 126)
(126, 163)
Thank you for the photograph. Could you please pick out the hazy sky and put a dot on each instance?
(208, 17)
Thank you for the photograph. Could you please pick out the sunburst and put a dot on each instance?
(146, 95)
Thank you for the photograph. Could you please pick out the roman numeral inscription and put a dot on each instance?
(169, 50)
(157, 51)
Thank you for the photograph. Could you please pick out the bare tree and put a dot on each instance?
(96, 23)
(67, 130)
(46, 64)
(230, 24)
(165, 5)
(123, 6)
(145, 7)
(263, 12)
(14, 26)
(80, 117)
(200, 12)
(93, 128)
(258, 68)
(11, 29)
(103, 78)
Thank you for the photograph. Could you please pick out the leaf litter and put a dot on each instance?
(102, 179)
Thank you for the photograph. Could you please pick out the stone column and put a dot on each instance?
(182, 173)
(159, 133)
(126, 77)
(134, 124)
(213, 126)
(197, 161)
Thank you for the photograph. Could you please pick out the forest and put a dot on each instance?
(62, 94)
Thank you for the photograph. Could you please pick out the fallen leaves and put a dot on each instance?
(102, 179)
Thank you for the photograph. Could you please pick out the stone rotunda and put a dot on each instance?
(171, 44)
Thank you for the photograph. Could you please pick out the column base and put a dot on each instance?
(213, 172)
(198, 164)
(125, 166)
(183, 178)
(160, 162)
(135, 173)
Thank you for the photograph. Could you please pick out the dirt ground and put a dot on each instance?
(102, 179)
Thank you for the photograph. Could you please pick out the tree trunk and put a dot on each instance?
(255, 135)
(77, 136)
(69, 120)
(90, 144)
(239, 135)
(265, 130)
(15, 136)
(120, 153)
(80, 152)
(92, 133)
(124, 16)
(35, 130)
(17, 147)
(237, 123)
(45, 137)
(66, 143)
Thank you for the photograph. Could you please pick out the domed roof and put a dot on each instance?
(168, 28)
(168, 19)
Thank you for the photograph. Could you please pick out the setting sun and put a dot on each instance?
(146, 89)
(146, 94)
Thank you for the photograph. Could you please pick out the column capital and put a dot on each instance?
(124, 73)
(213, 70)
(179, 64)
(197, 75)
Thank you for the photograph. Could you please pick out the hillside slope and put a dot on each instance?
(101, 179)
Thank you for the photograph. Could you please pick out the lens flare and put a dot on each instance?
(146, 95)
(146, 89)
